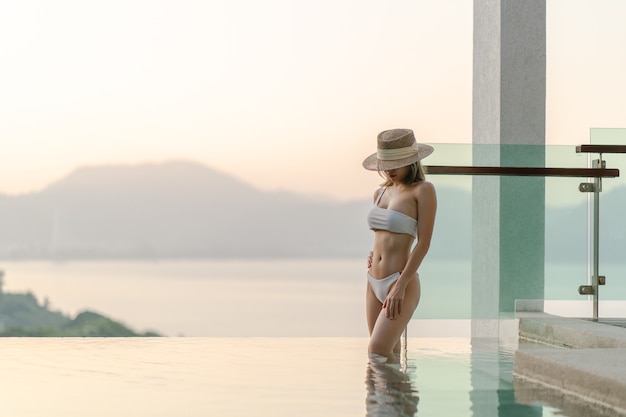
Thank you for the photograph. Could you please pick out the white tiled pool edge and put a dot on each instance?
(593, 368)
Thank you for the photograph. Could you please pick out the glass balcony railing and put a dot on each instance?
(524, 206)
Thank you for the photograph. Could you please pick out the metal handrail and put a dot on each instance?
(601, 149)
(523, 171)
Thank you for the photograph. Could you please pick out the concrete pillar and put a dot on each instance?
(509, 89)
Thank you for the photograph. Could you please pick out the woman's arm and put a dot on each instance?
(426, 211)
(370, 257)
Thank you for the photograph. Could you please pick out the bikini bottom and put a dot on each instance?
(381, 286)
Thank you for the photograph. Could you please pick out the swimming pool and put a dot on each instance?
(250, 376)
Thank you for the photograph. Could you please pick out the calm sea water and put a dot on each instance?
(228, 298)
(318, 297)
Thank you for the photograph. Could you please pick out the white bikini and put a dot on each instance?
(392, 221)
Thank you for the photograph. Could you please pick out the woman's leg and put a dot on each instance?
(372, 308)
(386, 333)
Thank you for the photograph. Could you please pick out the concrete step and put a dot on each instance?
(570, 332)
(590, 366)
(593, 375)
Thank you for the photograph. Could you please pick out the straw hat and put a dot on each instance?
(396, 148)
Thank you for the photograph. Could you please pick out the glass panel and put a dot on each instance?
(566, 226)
(509, 222)
(446, 272)
(567, 237)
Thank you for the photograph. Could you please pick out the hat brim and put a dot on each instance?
(372, 163)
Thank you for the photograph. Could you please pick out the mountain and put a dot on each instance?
(173, 210)
(181, 209)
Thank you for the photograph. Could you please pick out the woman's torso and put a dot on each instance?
(391, 249)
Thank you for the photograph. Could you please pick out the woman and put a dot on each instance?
(393, 287)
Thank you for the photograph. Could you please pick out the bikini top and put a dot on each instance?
(390, 220)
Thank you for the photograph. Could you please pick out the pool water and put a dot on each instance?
(248, 376)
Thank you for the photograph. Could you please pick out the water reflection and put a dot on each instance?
(528, 392)
(493, 391)
(391, 392)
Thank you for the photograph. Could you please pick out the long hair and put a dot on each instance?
(417, 172)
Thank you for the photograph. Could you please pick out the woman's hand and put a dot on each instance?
(393, 302)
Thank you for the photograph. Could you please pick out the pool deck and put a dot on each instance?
(587, 373)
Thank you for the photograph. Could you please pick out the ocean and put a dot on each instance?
(289, 297)
(284, 298)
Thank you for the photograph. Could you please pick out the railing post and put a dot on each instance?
(597, 163)
(592, 289)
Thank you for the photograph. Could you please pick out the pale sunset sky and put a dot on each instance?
(282, 94)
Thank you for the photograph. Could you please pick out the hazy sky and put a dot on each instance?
(282, 94)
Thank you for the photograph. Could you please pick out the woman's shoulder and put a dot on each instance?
(424, 188)
(423, 185)
(378, 192)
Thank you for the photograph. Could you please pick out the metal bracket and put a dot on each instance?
(592, 187)
(586, 290)
(587, 187)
